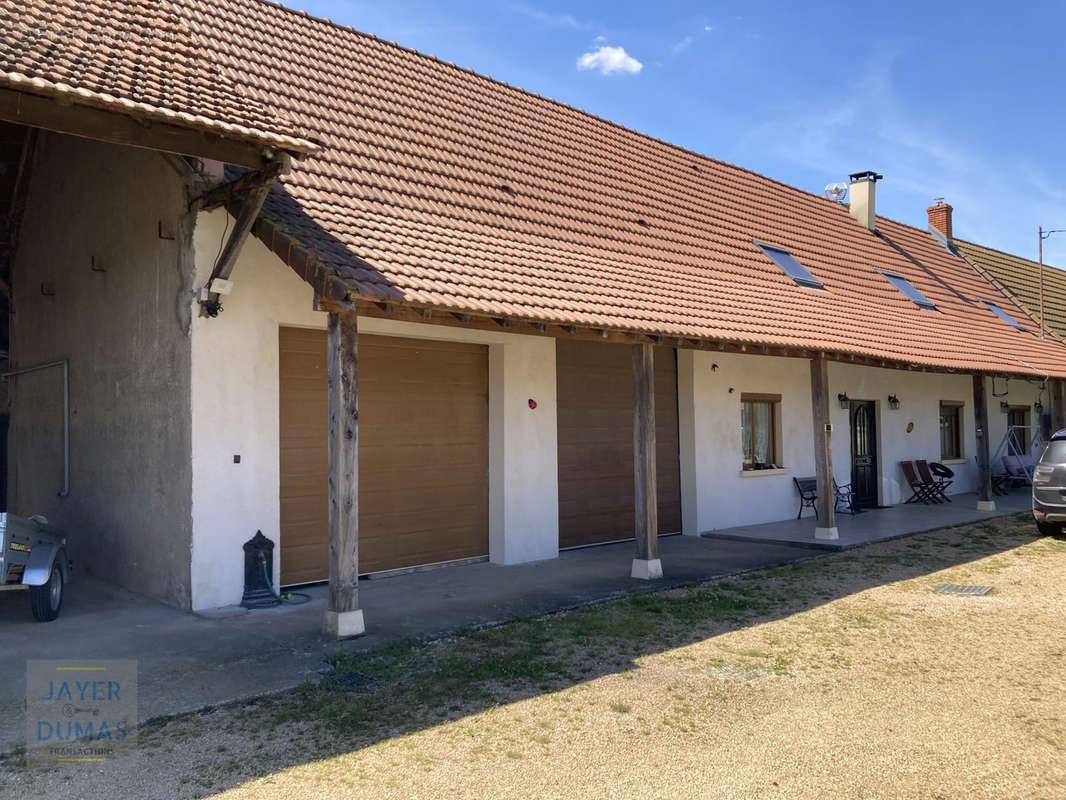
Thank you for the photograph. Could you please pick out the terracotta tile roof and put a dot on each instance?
(134, 56)
(1020, 278)
(443, 188)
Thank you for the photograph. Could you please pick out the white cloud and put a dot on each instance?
(682, 46)
(601, 38)
(610, 60)
(708, 28)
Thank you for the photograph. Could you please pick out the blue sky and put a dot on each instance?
(961, 100)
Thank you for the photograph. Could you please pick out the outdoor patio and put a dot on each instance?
(188, 661)
(877, 524)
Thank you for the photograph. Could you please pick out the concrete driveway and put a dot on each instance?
(188, 661)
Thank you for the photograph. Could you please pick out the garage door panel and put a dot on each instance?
(388, 503)
(595, 400)
(423, 453)
(303, 563)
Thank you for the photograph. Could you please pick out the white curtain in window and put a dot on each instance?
(763, 425)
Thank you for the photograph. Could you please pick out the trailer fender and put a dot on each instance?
(39, 568)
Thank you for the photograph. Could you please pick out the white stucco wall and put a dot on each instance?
(235, 411)
(717, 494)
(234, 391)
(920, 395)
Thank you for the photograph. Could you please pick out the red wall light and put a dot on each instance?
(532, 403)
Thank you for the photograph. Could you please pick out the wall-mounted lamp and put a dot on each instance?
(1038, 407)
(845, 401)
(893, 401)
(1004, 407)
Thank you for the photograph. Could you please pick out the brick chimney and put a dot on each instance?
(863, 196)
(940, 217)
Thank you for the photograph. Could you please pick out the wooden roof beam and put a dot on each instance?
(39, 111)
(251, 204)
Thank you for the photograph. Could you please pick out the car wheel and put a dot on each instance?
(1049, 528)
(48, 599)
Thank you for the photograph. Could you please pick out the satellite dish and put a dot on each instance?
(836, 191)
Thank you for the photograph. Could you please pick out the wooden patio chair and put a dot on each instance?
(939, 484)
(808, 492)
(921, 492)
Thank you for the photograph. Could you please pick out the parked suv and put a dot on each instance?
(1049, 487)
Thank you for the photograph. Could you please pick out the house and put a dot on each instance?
(1024, 280)
(394, 313)
(1040, 290)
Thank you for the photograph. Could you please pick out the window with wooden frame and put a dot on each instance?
(760, 431)
(950, 429)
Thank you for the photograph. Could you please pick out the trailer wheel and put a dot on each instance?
(48, 599)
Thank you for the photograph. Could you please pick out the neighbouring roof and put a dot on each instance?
(442, 188)
(1020, 278)
(137, 57)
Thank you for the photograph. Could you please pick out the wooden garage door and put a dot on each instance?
(423, 453)
(595, 396)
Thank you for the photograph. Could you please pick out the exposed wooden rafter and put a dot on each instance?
(226, 194)
(39, 111)
(254, 195)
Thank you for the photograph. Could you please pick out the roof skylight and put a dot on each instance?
(904, 286)
(1003, 315)
(790, 266)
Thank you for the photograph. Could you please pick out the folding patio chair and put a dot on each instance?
(940, 484)
(921, 492)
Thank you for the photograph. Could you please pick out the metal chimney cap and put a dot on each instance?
(868, 175)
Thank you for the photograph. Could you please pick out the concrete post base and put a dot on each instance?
(343, 624)
(986, 505)
(647, 569)
(826, 533)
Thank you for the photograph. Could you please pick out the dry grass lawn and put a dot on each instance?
(845, 676)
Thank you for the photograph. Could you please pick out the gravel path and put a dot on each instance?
(842, 677)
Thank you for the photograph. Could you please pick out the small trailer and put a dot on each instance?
(34, 556)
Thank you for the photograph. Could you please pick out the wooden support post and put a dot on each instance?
(646, 565)
(1058, 405)
(251, 205)
(823, 450)
(343, 618)
(984, 468)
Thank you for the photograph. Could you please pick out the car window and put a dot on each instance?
(1055, 453)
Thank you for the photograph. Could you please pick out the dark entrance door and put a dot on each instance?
(863, 454)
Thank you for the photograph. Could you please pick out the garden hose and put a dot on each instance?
(292, 598)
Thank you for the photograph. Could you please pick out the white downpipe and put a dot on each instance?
(65, 364)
